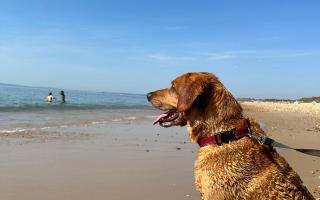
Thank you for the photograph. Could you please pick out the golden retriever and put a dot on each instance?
(238, 168)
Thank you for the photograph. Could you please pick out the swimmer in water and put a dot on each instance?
(63, 96)
(50, 98)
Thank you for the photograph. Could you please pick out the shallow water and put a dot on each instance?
(24, 109)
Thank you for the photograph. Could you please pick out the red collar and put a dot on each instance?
(225, 136)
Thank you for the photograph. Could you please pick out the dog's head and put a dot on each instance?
(178, 99)
(193, 99)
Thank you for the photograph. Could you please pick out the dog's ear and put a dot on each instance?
(188, 93)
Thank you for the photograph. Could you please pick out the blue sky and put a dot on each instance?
(262, 49)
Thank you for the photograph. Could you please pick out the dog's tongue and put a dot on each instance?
(160, 117)
(164, 115)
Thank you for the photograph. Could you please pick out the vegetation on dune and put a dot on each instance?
(304, 99)
(310, 99)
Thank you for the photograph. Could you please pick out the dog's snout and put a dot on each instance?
(149, 96)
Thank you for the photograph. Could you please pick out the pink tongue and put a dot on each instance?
(160, 117)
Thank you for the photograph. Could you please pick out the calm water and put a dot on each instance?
(24, 109)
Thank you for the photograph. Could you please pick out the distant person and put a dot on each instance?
(63, 97)
(50, 97)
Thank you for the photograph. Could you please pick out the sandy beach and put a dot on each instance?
(132, 159)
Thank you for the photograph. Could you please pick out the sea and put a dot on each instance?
(24, 109)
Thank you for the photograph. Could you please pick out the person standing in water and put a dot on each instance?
(50, 97)
(63, 97)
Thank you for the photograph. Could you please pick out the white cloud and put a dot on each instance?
(220, 56)
(165, 57)
(226, 55)
(159, 56)
(300, 54)
(162, 57)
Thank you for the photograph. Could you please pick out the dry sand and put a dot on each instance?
(312, 109)
(133, 159)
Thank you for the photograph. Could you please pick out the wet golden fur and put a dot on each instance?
(241, 169)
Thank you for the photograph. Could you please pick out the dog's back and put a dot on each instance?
(245, 169)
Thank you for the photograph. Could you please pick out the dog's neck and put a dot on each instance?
(197, 129)
(221, 112)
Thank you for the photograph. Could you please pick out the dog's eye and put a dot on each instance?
(172, 88)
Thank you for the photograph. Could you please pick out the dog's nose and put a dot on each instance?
(149, 96)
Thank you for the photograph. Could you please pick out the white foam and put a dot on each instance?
(46, 127)
(151, 116)
(17, 130)
(99, 122)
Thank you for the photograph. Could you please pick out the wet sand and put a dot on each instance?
(120, 160)
(131, 159)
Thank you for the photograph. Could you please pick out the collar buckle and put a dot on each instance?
(262, 139)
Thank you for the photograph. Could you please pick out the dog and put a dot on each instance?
(234, 166)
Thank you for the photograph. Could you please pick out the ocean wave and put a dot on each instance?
(21, 130)
(116, 120)
(70, 124)
(131, 118)
(31, 107)
(151, 116)
(17, 130)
